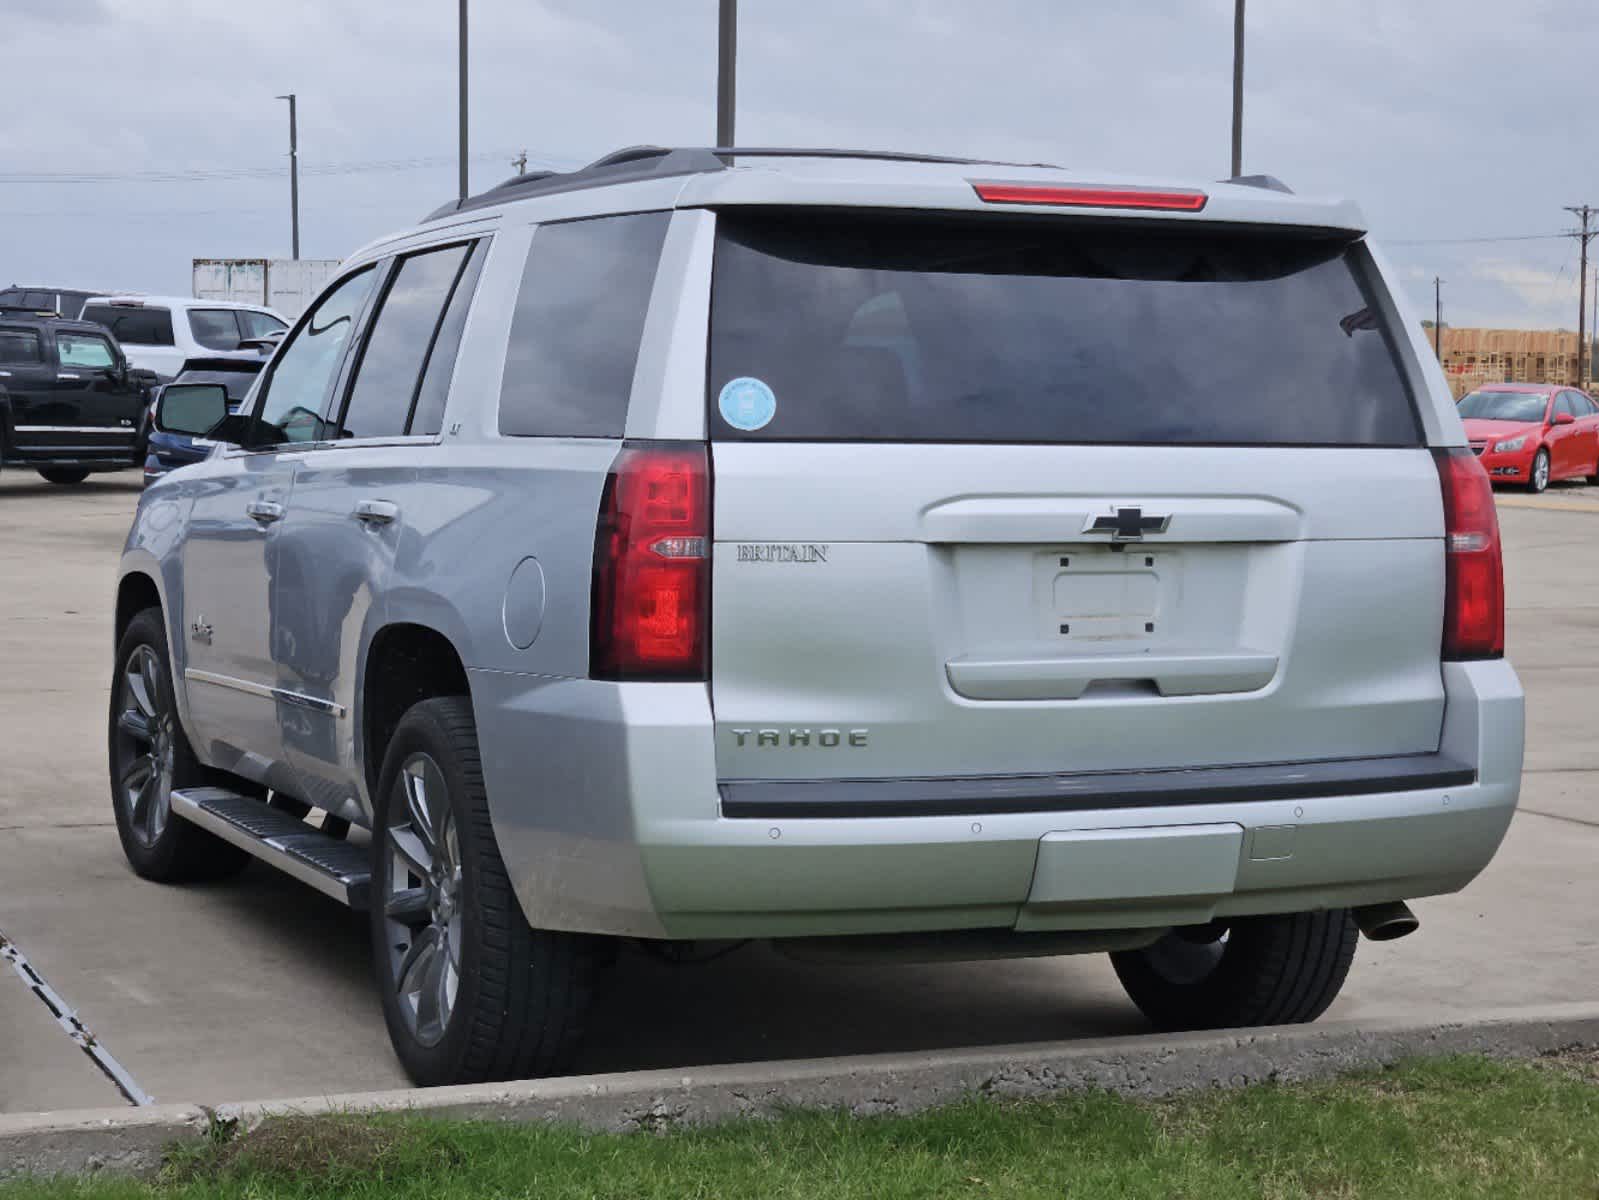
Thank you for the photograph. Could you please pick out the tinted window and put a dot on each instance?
(579, 316)
(133, 326)
(259, 324)
(215, 328)
(20, 346)
(428, 416)
(295, 394)
(88, 350)
(1504, 406)
(72, 303)
(861, 329)
(43, 301)
(397, 346)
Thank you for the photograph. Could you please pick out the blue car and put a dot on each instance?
(168, 451)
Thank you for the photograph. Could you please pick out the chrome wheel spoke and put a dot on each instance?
(136, 725)
(144, 681)
(411, 853)
(424, 793)
(409, 906)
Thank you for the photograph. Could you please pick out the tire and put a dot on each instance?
(1538, 476)
(470, 992)
(1593, 475)
(149, 756)
(1276, 970)
(65, 476)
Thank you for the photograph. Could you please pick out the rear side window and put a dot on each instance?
(397, 348)
(859, 329)
(579, 317)
(427, 416)
(133, 326)
(215, 328)
(20, 346)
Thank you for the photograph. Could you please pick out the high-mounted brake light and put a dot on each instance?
(652, 583)
(1474, 568)
(1090, 197)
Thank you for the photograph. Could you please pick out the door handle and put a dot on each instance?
(376, 512)
(67, 375)
(264, 512)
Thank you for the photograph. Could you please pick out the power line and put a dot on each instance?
(1520, 237)
(214, 174)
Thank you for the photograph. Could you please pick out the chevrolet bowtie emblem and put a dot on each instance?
(1127, 524)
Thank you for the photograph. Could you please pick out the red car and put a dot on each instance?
(1533, 433)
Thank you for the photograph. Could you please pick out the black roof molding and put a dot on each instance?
(1269, 182)
(637, 163)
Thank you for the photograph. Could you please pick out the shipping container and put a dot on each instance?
(286, 285)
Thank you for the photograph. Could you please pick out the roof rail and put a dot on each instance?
(1269, 182)
(659, 162)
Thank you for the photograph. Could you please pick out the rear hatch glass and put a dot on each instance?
(929, 331)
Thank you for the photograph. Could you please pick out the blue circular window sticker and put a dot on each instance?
(747, 404)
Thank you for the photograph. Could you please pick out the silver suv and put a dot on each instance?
(863, 552)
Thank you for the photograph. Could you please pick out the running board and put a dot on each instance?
(333, 867)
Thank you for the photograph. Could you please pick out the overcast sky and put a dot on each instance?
(1444, 119)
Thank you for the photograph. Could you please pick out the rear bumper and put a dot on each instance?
(631, 835)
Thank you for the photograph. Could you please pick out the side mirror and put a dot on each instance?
(1563, 419)
(191, 408)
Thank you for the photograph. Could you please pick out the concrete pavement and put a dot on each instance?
(260, 988)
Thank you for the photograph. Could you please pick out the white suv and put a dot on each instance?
(161, 333)
(926, 557)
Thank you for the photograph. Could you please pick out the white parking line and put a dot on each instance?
(74, 1028)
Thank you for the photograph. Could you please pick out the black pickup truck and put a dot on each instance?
(69, 403)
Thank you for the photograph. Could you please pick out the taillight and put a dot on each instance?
(652, 584)
(1165, 199)
(1474, 595)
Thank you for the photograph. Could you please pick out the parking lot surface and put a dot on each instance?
(259, 988)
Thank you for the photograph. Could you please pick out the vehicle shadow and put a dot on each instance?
(20, 482)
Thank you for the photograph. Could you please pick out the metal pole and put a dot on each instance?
(463, 99)
(294, 176)
(1238, 88)
(726, 71)
(1438, 318)
(1585, 212)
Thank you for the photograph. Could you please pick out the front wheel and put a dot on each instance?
(151, 757)
(65, 476)
(1538, 477)
(1275, 970)
(470, 992)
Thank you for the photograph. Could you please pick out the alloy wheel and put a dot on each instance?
(421, 897)
(1540, 472)
(146, 728)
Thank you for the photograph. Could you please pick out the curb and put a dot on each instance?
(133, 1140)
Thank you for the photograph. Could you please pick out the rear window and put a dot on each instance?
(859, 329)
(235, 383)
(133, 326)
(20, 346)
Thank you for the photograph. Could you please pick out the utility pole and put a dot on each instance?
(520, 163)
(1585, 212)
(1438, 318)
(726, 70)
(462, 73)
(294, 176)
(1238, 88)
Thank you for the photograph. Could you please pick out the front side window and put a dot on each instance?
(214, 328)
(396, 350)
(133, 325)
(579, 318)
(907, 329)
(20, 347)
(1564, 405)
(295, 395)
(87, 350)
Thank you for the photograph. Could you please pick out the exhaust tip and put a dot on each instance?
(1386, 922)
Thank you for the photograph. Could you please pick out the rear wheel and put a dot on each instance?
(1538, 477)
(1275, 970)
(150, 758)
(63, 475)
(470, 992)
